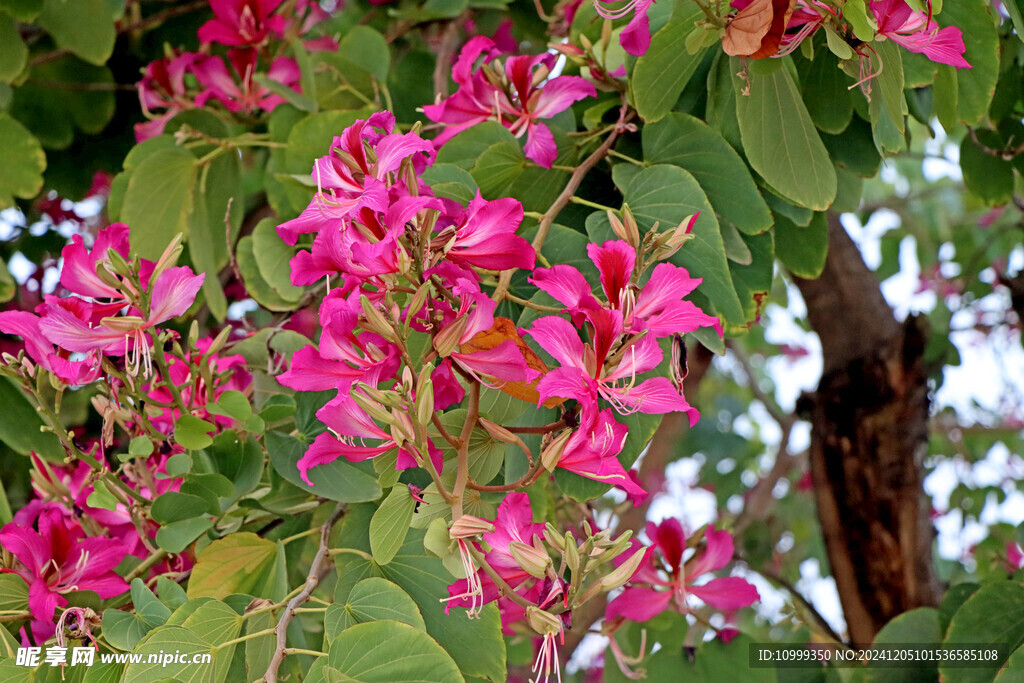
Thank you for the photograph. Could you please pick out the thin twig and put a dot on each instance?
(312, 580)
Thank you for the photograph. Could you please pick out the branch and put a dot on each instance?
(312, 580)
(625, 115)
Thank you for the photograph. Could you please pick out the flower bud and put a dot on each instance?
(124, 323)
(169, 258)
(630, 227)
(534, 562)
(374, 320)
(552, 453)
(218, 342)
(115, 263)
(624, 572)
(554, 538)
(571, 553)
(669, 243)
(105, 275)
(499, 433)
(447, 340)
(419, 299)
(404, 260)
(372, 408)
(542, 621)
(468, 526)
(425, 403)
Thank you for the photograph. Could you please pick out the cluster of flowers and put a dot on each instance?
(247, 28)
(769, 28)
(105, 331)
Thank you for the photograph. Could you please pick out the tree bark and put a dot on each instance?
(869, 437)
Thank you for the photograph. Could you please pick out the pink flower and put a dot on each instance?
(55, 557)
(636, 37)
(918, 32)
(349, 428)
(642, 601)
(246, 96)
(349, 181)
(485, 236)
(514, 523)
(584, 376)
(68, 323)
(238, 22)
(524, 98)
(78, 272)
(592, 449)
(163, 87)
(657, 306)
(43, 352)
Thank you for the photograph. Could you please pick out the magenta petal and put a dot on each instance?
(558, 337)
(175, 290)
(564, 283)
(504, 362)
(719, 552)
(638, 603)
(636, 37)
(540, 145)
(614, 260)
(727, 593)
(670, 539)
(42, 601)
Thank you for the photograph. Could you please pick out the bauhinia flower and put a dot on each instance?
(918, 32)
(245, 94)
(163, 87)
(238, 22)
(657, 307)
(666, 582)
(588, 373)
(55, 558)
(523, 98)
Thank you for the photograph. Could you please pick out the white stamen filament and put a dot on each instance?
(474, 590)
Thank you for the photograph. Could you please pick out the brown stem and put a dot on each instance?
(625, 115)
(312, 581)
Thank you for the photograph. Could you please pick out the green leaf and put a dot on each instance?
(174, 507)
(177, 536)
(239, 460)
(390, 652)
(889, 82)
(13, 593)
(13, 53)
(20, 427)
(83, 27)
(975, 85)
(916, 626)
(825, 91)
(233, 564)
(497, 168)
(339, 480)
(475, 645)
(140, 447)
(781, 142)
(366, 48)
(1015, 8)
(451, 182)
(265, 295)
(390, 524)
(22, 10)
(987, 176)
(465, 148)
(124, 630)
(204, 630)
(171, 593)
(158, 200)
(661, 74)
(193, 433)
(101, 498)
(272, 257)
(7, 283)
(753, 282)
(802, 250)
(233, 404)
(215, 220)
(954, 598)
(21, 174)
(685, 141)
(374, 599)
(994, 614)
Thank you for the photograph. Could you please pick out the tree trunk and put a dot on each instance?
(869, 437)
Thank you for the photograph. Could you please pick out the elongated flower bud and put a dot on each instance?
(425, 403)
(553, 452)
(468, 526)
(372, 408)
(499, 433)
(670, 242)
(624, 572)
(542, 621)
(535, 562)
(374, 319)
(447, 340)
